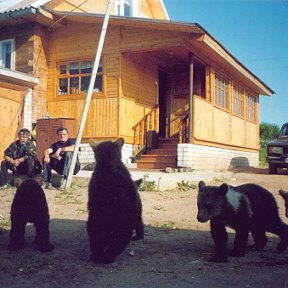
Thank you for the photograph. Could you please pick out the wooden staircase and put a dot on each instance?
(160, 158)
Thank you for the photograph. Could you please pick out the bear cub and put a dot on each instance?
(244, 208)
(284, 195)
(29, 206)
(112, 203)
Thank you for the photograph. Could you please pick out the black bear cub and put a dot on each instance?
(244, 208)
(29, 206)
(112, 203)
(284, 195)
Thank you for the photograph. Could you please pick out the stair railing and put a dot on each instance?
(183, 129)
(149, 122)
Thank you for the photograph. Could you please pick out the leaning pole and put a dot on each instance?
(89, 93)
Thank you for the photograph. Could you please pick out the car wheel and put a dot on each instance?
(272, 169)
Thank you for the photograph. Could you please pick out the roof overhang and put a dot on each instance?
(199, 39)
(18, 78)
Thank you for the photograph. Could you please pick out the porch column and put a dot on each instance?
(191, 97)
(27, 114)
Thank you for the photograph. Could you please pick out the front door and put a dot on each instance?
(163, 84)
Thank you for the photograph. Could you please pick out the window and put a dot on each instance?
(221, 91)
(237, 101)
(7, 54)
(199, 79)
(74, 77)
(251, 112)
(127, 7)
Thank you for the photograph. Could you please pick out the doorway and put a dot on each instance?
(162, 95)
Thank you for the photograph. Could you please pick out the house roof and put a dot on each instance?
(204, 41)
(11, 5)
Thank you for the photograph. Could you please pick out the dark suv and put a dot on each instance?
(277, 151)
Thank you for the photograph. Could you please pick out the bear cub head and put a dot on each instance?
(107, 151)
(212, 201)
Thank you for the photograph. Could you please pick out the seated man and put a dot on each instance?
(59, 157)
(19, 158)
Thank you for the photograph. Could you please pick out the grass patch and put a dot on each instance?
(185, 185)
(66, 197)
(148, 185)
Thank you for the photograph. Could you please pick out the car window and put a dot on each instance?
(284, 131)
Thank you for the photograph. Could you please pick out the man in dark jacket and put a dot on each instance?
(58, 157)
(19, 157)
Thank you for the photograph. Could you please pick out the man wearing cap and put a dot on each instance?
(19, 157)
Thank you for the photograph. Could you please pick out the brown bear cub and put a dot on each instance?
(112, 203)
(284, 195)
(29, 206)
(244, 208)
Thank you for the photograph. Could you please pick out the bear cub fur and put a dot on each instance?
(284, 195)
(244, 208)
(29, 206)
(112, 203)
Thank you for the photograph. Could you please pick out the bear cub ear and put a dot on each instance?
(201, 185)
(138, 182)
(120, 141)
(93, 143)
(283, 193)
(223, 189)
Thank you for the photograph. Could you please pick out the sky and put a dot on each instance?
(253, 31)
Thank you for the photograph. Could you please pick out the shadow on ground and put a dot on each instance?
(166, 258)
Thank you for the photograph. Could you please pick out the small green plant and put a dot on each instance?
(185, 185)
(170, 225)
(147, 185)
(5, 222)
(81, 211)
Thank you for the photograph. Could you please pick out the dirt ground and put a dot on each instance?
(174, 253)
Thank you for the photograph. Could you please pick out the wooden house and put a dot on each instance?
(176, 95)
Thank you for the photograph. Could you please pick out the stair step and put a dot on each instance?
(156, 165)
(161, 152)
(154, 158)
(165, 155)
(167, 146)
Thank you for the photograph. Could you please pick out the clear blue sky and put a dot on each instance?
(256, 33)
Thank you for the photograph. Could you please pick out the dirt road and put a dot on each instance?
(174, 253)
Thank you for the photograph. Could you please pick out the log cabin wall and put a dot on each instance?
(90, 6)
(40, 64)
(31, 46)
(138, 91)
(130, 73)
(148, 8)
(102, 121)
(216, 127)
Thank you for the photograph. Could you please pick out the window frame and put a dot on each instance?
(77, 77)
(237, 101)
(251, 108)
(133, 8)
(12, 54)
(222, 103)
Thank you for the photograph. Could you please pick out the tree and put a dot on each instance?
(268, 132)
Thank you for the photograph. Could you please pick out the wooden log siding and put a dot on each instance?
(219, 128)
(11, 103)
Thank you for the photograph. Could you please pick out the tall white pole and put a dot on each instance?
(90, 92)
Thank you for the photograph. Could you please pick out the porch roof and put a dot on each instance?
(200, 40)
